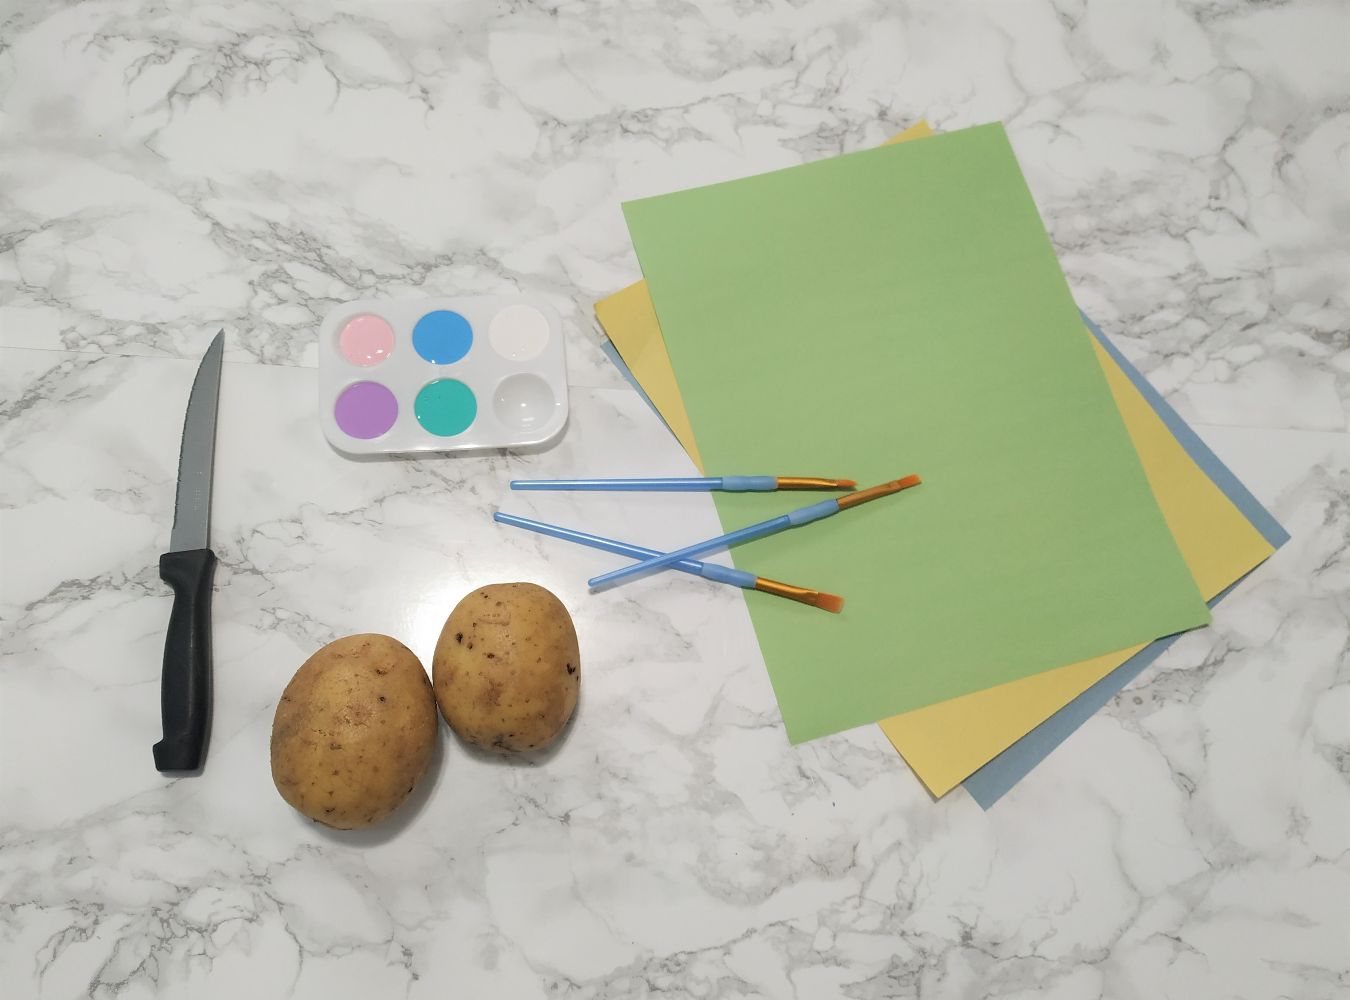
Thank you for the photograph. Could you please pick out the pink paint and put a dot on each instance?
(366, 340)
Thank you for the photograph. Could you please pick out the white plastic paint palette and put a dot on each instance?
(441, 375)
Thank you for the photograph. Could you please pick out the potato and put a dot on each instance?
(507, 668)
(354, 731)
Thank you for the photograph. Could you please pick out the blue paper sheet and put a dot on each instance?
(991, 782)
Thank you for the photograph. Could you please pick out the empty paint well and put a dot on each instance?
(523, 401)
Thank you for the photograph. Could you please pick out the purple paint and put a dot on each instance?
(365, 410)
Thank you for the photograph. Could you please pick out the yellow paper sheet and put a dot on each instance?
(629, 318)
(946, 742)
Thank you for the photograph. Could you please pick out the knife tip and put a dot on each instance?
(216, 347)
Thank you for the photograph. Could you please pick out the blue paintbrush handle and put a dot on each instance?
(803, 515)
(733, 484)
(710, 571)
(749, 484)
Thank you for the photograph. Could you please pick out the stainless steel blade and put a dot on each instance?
(192, 507)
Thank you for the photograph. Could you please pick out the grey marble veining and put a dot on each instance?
(168, 169)
(174, 167)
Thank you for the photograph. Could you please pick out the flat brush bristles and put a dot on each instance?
(815, 598)
(814, 483)
(829, 602)
(871, 493)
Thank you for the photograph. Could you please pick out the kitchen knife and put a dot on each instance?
(185, 688)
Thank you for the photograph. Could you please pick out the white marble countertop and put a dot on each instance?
(170, 169)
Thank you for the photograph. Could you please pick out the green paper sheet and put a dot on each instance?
(893, 311)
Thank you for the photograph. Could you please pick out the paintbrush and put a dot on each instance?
(728, 484)
(709, 571)
(793, 519)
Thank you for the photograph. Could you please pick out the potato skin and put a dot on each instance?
(354, 731)
(507, 667)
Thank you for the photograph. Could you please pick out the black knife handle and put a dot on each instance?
(185, 689)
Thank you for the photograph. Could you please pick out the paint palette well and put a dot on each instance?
(444, 374)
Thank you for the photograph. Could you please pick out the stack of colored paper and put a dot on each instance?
(901, 311)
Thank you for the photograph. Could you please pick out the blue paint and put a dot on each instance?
(442, 337)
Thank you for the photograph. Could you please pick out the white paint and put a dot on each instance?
(519, 332)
